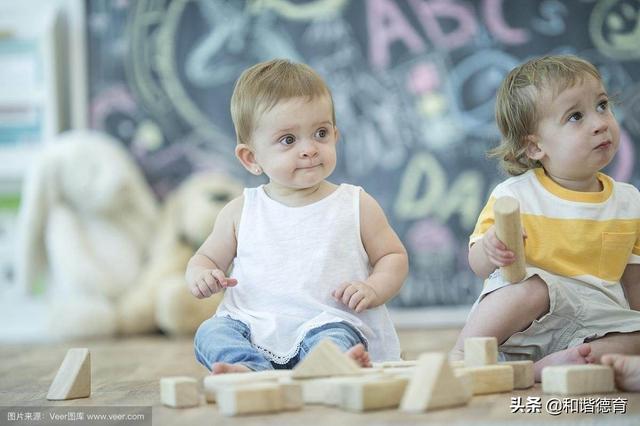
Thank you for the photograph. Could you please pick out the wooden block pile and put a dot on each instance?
(487, 374)
(329, 377)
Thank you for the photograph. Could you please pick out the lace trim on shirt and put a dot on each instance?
(284, 359)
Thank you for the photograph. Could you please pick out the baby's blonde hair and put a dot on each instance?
(262, 86)
(517, 110)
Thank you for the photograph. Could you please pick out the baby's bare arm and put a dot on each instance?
(631, 284)
(386, 253)
(219, 249)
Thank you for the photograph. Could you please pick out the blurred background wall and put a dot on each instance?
(413, 81)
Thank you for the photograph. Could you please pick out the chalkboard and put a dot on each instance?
(413, 81)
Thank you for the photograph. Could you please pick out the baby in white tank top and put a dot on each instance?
(310, 259)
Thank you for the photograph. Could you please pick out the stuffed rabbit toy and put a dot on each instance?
(161, 300)
(86, 219)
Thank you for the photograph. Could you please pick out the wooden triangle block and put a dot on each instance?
(434, 385)
(73, 379)
(325, 359)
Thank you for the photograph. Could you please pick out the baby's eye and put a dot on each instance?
(603, 106)
(576, 116)
(287, 140)
(322, 133)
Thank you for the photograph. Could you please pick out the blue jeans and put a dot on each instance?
(222, 339)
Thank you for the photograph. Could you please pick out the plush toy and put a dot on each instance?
(162, 300)
(86, 219)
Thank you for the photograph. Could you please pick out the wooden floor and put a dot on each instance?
(126, 372)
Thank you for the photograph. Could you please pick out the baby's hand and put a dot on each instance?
(496, 251)
(356, 295)
(209, 282)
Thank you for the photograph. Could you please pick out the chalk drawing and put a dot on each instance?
(308, 10)
(500, 29)
(552, 22)
(615, 28)
(475, 81)
(430, 14)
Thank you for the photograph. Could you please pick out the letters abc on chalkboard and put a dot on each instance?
(414, 85)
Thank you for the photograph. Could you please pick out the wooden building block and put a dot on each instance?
(479, 351)
(506, 211)
(457, 364)
(243, 378)
(489, 379)
(366, 394)
(73, 379)
(209, 396)
(395, 364)
(291, 396)
(433, 386)
(523, 376)
(179, 392)
(577, 379)
(399, 371)
(317, 391)
(321, 391)
(325, 359)
(466, 380)
(214, 382)
(376, 371)
(250, 399)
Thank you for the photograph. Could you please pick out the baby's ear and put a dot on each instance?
(248, 159)
(534, 151)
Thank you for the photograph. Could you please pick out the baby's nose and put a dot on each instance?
(600, 125)
(308, 150)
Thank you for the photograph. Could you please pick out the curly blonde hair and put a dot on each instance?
(517, 109)
(262, 86)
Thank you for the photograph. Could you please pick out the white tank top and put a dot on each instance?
(289, 259)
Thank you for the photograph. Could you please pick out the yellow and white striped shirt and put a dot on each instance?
(589, 236)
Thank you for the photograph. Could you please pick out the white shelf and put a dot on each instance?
(15, 162)
(32, 98)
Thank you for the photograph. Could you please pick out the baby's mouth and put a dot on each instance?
(310, 167)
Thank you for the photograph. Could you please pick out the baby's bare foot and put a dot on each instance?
(224, 368)
(359, 355)
(626, 369)
(575, 355)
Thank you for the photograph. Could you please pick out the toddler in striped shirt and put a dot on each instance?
(580, 296)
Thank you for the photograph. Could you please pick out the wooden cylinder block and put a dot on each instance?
(509, 230)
